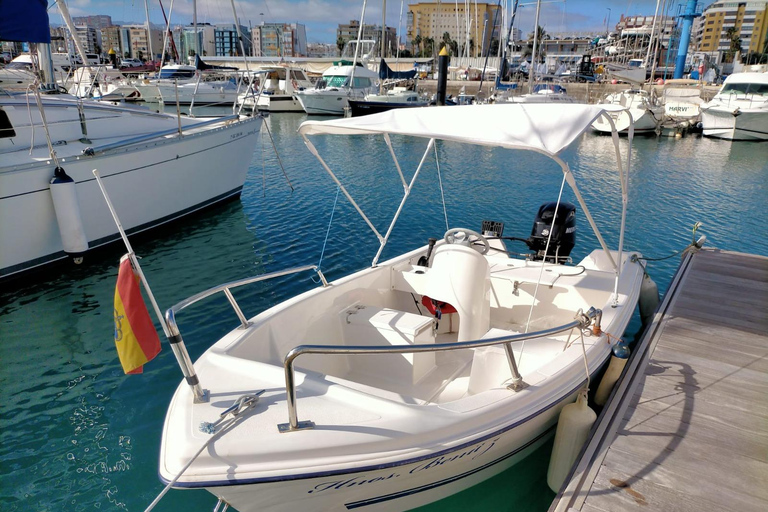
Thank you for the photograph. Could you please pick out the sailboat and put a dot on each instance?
(157, 167)
(419, 376)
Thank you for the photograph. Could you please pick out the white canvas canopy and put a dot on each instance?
(545, 128)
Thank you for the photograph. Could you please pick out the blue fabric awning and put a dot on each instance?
(24, 20)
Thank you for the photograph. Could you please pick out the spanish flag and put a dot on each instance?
(135, 335)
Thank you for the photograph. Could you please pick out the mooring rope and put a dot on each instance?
(217, 428)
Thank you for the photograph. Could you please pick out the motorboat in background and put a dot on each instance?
(633, 71)
(276, 89)
(543, 93)
(397, 90)
(339, 83)
(419, 376)
(637, 106)
(682, 103)
(739, 111)
(396, 97)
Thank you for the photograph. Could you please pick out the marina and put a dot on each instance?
(96, 431)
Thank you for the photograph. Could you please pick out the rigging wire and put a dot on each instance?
(442, 194)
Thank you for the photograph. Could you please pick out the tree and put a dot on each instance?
(417, 45)
(735, 44)
(340, 44)
(494, 48)
(429, 47)
(191, 52)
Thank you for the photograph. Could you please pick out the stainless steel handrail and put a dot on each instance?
(170, 313)
(582, 320)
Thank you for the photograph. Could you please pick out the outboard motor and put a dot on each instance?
(563, 232)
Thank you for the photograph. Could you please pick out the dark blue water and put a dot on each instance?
(76, 434)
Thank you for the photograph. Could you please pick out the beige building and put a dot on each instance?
(433, 19)
(748, 19)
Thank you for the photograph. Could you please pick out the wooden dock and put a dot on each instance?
(687, 426)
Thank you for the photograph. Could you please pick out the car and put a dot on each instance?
(130, 63)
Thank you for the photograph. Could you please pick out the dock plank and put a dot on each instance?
(690, 432)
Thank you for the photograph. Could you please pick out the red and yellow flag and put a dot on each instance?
(135, 335)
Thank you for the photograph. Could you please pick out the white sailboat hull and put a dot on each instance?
(204, 93)
(646, 121)
(149, 183)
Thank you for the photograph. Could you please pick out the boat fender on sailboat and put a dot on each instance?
(649, 299)
(619, 357)
(67, 208)
(573, 428)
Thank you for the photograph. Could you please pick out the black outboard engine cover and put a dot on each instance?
(563, 232)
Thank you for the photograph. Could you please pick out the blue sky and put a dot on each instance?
(321, 17)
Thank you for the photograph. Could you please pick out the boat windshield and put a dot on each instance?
(177, 73)
(336, 80)
(759, 89)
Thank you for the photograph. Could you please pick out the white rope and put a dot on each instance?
(442, 194)
(241, 405)
(543, 263)
(584, 351)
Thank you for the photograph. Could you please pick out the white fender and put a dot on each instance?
(67, 208)
(573, 427)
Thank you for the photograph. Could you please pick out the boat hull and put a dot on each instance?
(735, 124)
(328, 103)
(363, 108)
(646, 121)
(406, 484)
(185, 175)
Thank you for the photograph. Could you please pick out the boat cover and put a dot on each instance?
(545, 128)
(25, 21)
(386, 73)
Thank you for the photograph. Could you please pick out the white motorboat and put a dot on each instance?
(169, 74)
(276, 92)
(103, 84)
(157, 167)
(213, 92)
(638, 108)
(332, 92)
(396, 97)
(739, 111)
(682, 103)
(543, 93)
(413, 379)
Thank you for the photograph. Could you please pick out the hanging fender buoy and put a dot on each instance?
(649, 299)
(67, 208)
(573, 427)
(619, 357)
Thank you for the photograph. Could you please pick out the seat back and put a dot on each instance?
(460, 276)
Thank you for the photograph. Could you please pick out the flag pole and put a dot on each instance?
(177, 344)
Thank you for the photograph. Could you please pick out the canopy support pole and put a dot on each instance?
(402, 202)
(394, 158)
(572, 184)
(313, 150)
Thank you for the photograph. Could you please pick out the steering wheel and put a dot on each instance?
(465, 238)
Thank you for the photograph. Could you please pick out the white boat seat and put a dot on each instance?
(371, 326)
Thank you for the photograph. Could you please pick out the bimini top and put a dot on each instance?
(546, 128)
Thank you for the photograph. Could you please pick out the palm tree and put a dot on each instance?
(340, 44)
(417, 45)
(735, 43)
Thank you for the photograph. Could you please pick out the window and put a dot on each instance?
(6, 128)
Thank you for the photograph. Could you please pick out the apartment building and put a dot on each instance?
(747, 21)
(279, 40)
(348, 32)
(226, 42)
(433, 19)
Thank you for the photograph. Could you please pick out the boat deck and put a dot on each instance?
(687, 429)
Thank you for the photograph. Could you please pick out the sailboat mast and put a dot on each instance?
(194, 25)
(535, 44)
(383, 41)
(149, 32)
(357, 46)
